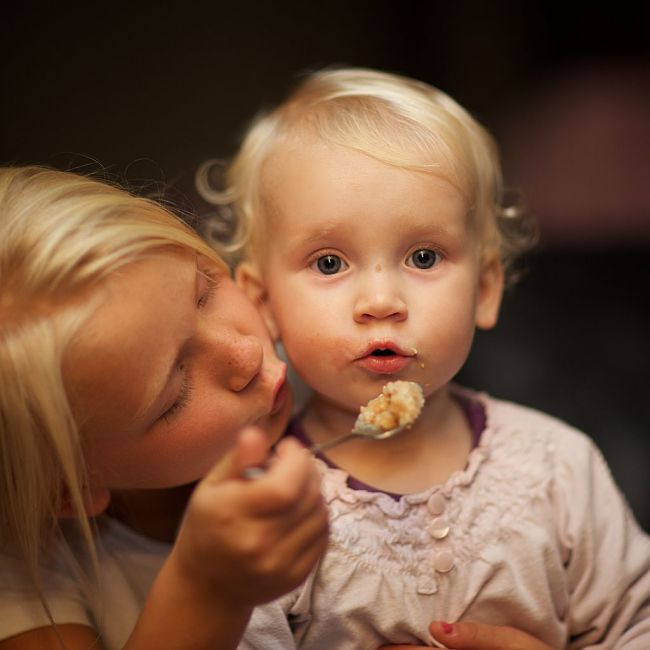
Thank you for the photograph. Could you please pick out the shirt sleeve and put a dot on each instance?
(22, 610)
(608, 560)
(268, 629)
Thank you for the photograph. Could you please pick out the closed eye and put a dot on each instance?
(208, 283)
(181, 400)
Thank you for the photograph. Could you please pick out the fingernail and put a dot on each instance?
(447, 628)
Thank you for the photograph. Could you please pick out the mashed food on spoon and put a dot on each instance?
(398, 405)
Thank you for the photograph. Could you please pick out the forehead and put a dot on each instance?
(326, 184)
(143, 312)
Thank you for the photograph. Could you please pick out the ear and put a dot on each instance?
(95, 501)
(490, 292)
(249, 280)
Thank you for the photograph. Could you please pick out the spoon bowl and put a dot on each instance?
(396, 409)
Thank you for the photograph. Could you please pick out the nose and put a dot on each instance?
(233, 358)
(379, 297)
(244, 360)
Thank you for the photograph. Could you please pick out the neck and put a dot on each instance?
(154, 513)
(424, 455)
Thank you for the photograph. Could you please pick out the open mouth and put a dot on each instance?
(384, 359)
(382, 352)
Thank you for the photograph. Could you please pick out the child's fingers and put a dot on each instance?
(479, 636)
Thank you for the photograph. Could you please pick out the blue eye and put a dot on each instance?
(423, 258)
(330, 264)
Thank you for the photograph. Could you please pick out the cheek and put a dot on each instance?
(245, 315)
(188, 451)
(448, 324)
(314, 349)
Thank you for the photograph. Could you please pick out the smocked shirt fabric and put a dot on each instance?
(533, 533)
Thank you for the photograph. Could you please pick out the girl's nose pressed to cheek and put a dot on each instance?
(244, 362)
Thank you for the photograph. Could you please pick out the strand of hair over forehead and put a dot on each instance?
(86, 230)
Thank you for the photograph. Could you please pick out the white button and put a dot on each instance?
(439, 528)
(436, 504)
(443, 561)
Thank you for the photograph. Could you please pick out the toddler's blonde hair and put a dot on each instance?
(61, 235)
(396, 120)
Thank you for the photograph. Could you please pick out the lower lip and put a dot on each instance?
(384, 365)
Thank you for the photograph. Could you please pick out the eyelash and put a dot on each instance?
(212, 279)
(182, 399)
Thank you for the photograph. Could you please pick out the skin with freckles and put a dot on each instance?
(137, 367)
(160, 410)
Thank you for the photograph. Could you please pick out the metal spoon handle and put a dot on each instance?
(314, 449)
(257, 471)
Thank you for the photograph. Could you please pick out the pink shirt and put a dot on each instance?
(533, 533)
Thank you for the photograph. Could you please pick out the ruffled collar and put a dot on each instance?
(340, 485)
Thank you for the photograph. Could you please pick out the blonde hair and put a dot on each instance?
(61, 235)
(394, 119)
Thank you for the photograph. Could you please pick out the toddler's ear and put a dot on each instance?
(490, 292)
(249, 280)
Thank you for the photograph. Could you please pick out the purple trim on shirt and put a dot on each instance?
(474, 412)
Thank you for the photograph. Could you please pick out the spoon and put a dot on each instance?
(395, 409)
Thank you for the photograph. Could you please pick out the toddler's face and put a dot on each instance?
(168, 369)
(373, 272)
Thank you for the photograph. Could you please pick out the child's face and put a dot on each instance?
(372, 272)
(168, 370)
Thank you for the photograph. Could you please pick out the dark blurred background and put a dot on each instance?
(149, 91)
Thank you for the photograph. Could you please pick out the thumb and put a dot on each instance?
(251, 448)
(479, 636)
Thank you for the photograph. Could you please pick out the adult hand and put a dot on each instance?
(478, 636)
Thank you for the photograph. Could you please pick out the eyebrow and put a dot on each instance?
(322, 232)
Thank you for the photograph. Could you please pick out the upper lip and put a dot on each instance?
(386, 344)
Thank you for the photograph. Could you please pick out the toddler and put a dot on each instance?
(373, 236)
